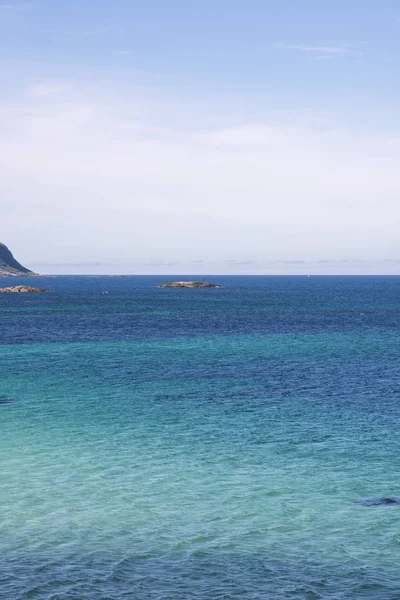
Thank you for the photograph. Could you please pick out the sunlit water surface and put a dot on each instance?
(200, 444)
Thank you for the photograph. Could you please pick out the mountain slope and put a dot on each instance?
(10, 266)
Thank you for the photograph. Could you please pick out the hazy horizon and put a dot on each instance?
(252, 268)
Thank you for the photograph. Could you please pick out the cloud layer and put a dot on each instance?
(87, 179)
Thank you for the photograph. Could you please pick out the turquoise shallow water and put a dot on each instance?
(210, 444)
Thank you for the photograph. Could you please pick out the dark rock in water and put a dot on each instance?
(386, 500)
(6, 400)
(188, 284)
(9, 266)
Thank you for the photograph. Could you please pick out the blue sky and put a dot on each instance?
(203, 137)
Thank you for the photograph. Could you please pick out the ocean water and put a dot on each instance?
(216, 444)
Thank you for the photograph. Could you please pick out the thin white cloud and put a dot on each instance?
(324, 57)
(103, 30)
(25, 6)
(323, 51)
(46, 88)
(327, 49)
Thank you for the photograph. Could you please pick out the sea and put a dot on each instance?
(235, 443)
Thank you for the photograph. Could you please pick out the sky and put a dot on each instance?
(220, 136)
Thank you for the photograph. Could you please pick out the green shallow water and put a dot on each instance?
(203, 464)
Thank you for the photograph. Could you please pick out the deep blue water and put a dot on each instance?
(214, 443)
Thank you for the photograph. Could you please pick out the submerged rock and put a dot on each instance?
(6, 400)
(23, 288)
(385, 500)
(188, 284)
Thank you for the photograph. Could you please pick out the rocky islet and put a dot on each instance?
(22, 289)
(188, 284)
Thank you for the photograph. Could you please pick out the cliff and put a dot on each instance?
(10, 266)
